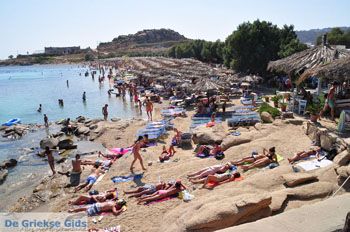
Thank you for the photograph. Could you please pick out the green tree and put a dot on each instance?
(253, 45)
(336, 37)
(10, 57)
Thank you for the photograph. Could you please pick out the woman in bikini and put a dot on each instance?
(305, 154)
(250, 159)
(209, 171)
(270, 157)
(218, 178)
(147, 189)
(84, 199)
(160, 194)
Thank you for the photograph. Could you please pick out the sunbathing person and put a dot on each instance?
(104, 164)
(209, 150)
(305, 154)
(110, 206)
(112, 156)
(147, 189)
(270, 157)
(250, 159)
(87, 199)
(165, 155)
(90, 180)
(160, 194)
(209, 171)
(218, 178)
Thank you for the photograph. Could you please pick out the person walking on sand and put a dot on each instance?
(105, 112)
(136, 151)
(330, 101)
(46, 121)
(84, 96)
(39, 109)
(50, 159)
(149, 108)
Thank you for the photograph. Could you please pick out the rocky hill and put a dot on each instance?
(156, 41)
(310, 36)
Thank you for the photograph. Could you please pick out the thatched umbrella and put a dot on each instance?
(251, 78)
(337, 69)
(206, 85)
(307, 59)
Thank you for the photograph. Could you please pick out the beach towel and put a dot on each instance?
(279, 158)
(213, 184)
(121, 179)
(202, 156)
(314, 164)
(120, 151)
(162, 200)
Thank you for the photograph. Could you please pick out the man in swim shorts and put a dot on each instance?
(110, 206)
(90, 180)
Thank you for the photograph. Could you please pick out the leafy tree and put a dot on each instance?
(89, 57)
(10, 57)
(336, 37)
(253, 45)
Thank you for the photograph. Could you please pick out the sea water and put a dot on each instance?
(22, 89)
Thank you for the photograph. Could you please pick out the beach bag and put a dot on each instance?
(220, 156)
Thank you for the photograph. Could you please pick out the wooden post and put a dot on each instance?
(319, 86)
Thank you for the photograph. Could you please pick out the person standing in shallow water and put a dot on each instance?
(149, 108)
(50, 159)
(84, 96)
(105, 112)
(46, 121)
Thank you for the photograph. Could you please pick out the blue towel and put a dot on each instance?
(120, 179)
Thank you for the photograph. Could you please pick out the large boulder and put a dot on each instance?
(8, 163)
(49, 142)
(205, 135)
(294, 179)
(266, 117)
(212, 215)
(327, 140)
(342, 158)
(231, 141)
(66, 144)
(3, 175)
(310, 191)
(82, 130)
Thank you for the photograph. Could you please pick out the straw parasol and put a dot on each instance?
(337, 69)
(206, 85)
(307, 59)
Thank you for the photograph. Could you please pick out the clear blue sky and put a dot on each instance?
(29, 25)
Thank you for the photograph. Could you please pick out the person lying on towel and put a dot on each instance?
(91, 179)
(91, 199)
(220, 168)
(216, 179)
(305, 154)
(207, 150)
(147, 189)
(166, 154)
(160, 194)
(270, 157)
(115, 208)
(249, 159)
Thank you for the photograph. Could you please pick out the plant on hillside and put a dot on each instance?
(265, 107)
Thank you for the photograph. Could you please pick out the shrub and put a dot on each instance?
(271, 110)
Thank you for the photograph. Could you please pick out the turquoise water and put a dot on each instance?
(23, 88)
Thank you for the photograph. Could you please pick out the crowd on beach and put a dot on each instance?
(94, 202)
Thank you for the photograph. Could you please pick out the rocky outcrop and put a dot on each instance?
(231, 141)
(205, 135)
(150, 40)
(10, 163)
(294, 179)
(82, 130)
(342, 158)
(3, 175)
(210, 215)
(66, 144)
(49, 142)
(266, 117)
(16, 131)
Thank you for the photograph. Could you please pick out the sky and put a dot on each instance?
(30, 25)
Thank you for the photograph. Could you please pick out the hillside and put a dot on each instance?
(156, 41)
(310, 36)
